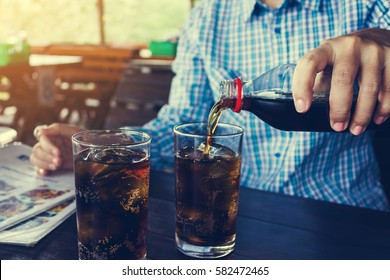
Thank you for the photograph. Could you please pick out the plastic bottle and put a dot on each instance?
(270, 98)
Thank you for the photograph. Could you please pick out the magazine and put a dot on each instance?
(23, 193)
(30, 231)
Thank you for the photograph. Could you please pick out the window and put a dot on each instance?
(74, 21)
(142, 21)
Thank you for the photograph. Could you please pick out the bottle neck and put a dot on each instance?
(232, 90)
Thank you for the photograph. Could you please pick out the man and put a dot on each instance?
(225, 37)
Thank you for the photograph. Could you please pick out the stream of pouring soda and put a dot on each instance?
(212, 122)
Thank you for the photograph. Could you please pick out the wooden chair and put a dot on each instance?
(18, 103)
(142, 90)
(83, 96)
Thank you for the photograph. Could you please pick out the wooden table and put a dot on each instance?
(36, 60)
(270, 226)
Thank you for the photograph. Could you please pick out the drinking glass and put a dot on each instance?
(112, 186)
(207, 189)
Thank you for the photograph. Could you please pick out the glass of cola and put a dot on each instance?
(112, 186)
(207, 188)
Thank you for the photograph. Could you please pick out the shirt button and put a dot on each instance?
(277, 155)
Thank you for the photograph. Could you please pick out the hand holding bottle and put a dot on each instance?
(364, 54)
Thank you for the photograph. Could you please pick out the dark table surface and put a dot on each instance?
(270, 226)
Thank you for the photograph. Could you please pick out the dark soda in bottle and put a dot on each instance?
(270, 98)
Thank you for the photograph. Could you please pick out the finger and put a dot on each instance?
(59, 135)
(49, 146)
(383, 110)
(38, 131)
(345, 68)
(370, 80)
(66, 154)
(341, 96)
(42, 160)
(305, 74)
(41, 171)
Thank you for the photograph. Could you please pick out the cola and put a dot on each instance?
(281, 114)
(270, 98)
(112, 188)
(207, 192)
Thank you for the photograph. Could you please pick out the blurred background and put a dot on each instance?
(92, 21)
(96, 63)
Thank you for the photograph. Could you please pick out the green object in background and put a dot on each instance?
(163, 48)
(14, 53)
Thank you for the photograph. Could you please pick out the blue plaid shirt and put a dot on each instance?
(226, 38)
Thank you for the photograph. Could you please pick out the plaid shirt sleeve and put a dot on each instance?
(245, 36)
(379, 16)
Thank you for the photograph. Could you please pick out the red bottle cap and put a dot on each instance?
(237, 108)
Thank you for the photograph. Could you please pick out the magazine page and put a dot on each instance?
(30, 231)
(23, 193)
